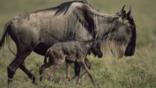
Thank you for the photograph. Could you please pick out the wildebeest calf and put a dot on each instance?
(77, 67)
(74, 51)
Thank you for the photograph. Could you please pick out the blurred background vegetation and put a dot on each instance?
(138, 71)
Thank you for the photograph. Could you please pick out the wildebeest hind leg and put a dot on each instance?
(19, 59)
(68, 76)
(29, 74)
(43, 67)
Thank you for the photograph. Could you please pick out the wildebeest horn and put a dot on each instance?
(129, 12)
(123, 8)
(122, 12)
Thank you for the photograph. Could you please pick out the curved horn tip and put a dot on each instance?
(123, 7)
(129, 12)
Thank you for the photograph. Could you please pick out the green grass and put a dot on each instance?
(138, 71)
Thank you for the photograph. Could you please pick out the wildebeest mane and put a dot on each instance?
(87, 21)
(62, 8)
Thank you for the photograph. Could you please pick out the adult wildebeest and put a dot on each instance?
(75, 20)
(73, 51)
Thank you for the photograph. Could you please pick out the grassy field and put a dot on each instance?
(138, 71)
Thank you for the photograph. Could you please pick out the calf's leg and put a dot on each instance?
(77, 68)
(43, 67)
(68, 68)
(88, 71)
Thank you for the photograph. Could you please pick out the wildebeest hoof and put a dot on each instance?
(34, 80)
(9, 80)
(78, 81)
(69, 78)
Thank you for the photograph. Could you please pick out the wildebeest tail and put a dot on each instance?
(46, 57)
(5, 33)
